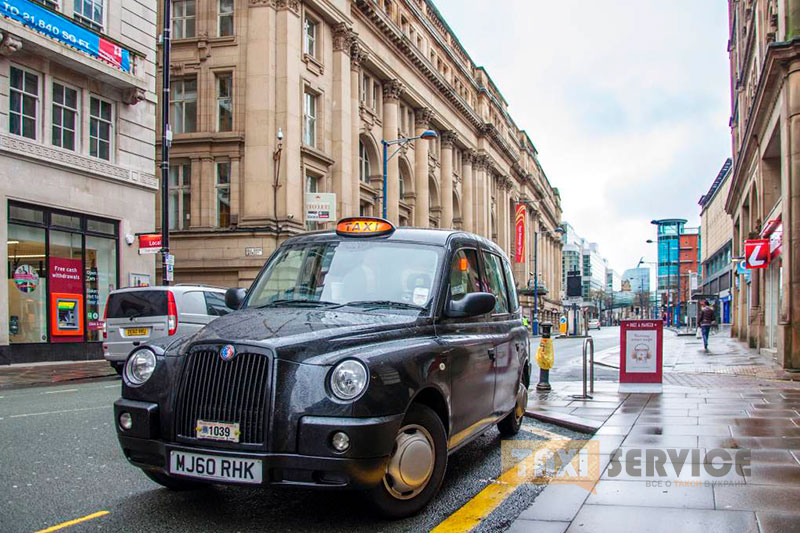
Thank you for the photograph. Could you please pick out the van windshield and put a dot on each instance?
(362, 273)
(134, 304)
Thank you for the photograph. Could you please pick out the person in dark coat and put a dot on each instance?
(707, 319)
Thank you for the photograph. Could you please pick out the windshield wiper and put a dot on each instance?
(376, 304)
(303, 301)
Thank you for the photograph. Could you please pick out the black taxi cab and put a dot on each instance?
(359, 358)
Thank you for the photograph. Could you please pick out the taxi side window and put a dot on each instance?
(513, 298)
(464, 277)
(497, 285)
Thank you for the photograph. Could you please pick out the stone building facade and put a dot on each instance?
(716, 235)
(764, 197)
(77, 134)
(337, 77)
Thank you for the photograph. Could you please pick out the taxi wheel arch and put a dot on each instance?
(433, 399)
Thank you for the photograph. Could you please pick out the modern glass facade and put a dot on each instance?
(61, 267)
(668, 278)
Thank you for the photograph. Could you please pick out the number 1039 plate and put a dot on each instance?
(224, 431)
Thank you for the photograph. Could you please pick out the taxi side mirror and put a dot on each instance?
(472, 304)
(234, 297)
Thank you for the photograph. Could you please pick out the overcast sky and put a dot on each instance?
(627, 102)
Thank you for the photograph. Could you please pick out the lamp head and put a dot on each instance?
(280, 134)
(428, 134)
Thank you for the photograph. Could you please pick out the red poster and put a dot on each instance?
(641, 352)
(66, 299)
(519, 231)
(756, 253)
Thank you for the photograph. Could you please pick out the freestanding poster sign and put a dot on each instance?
(641, 355)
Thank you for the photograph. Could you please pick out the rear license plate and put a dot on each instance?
(215, 467)
(135, 332)
(224, 431)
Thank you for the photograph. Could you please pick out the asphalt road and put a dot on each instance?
(60, 461)
(569, 359)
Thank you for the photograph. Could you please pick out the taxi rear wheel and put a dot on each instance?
(416, 467)
(511, 424)
(173, 483)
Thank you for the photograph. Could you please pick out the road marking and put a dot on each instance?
(59, 412)
(114, 386)
(60, 391)
(69, 523)
(472, 513)
(546, 434)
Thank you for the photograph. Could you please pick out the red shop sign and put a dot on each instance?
(149, 243)
(756, 253)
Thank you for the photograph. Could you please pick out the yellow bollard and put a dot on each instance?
(545, 357)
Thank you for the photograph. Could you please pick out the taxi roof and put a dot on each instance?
(433, 236)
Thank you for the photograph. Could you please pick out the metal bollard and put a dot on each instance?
(588, 349)
(544, 374)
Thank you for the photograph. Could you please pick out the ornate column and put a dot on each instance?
(448, 139)
(481, 193)
(392, 90)
(421, 191)
(357, 56)
(790, 194)
(342, 124)
(467, 184)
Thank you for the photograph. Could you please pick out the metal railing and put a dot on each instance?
(588, 373)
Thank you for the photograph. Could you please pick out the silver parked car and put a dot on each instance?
(138, 314)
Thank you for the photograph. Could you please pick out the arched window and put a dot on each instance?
(402, 187)
(363, 163)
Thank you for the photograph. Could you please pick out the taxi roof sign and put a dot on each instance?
(364, 227)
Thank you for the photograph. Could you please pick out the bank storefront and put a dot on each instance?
(61, 267)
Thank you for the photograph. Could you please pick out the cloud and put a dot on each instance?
(626, 101)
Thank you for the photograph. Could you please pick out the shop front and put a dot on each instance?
(773, 284)
(61, 268)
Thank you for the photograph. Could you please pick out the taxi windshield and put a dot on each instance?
(364, 274)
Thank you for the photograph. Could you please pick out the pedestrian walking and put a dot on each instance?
(707, 319)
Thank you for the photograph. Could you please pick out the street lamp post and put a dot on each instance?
(166, 142)
(535, 321)
(428, 135)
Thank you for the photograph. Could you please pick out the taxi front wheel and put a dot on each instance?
(416, 467)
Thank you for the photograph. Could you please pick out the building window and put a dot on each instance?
(224, 194)
(183, 101)
(310, 36)
(65, 116)
(363, 163)
(225, 18)
(23, 103)
(310, 119)
(312, 186)
(52, 4)
(184, 15)
(224, 102)
(90, 12)
(180, 196)
(101, 120)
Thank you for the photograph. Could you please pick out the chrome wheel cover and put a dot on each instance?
(411, 465)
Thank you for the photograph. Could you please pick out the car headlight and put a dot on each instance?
(348, 379)
(140, 366)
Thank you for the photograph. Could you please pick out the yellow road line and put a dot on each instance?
(546, 434)
(482, 504)
(69, 523)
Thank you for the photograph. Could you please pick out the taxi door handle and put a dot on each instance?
(491, 353)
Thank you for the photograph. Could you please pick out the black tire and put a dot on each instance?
(511, 424)
(119, 367)
(383, 498)
(173, 483)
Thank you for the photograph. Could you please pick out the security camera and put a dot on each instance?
(290, 216)
(280, 134)
(129, 239)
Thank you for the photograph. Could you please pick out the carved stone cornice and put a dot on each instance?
(468, 156)
(357, 55)
(482, 162)
(9, 44)
(293, 5)
(448, 138)
(393, 90)
(343, 38)
(422, 117)
(57, 157)
(132, 96)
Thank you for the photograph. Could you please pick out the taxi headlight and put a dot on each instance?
(348, 379)
(140, 366)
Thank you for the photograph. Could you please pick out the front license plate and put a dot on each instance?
(224, 431)
(135, 332)
(215, 467)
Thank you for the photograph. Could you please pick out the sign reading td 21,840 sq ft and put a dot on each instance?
(63, 30)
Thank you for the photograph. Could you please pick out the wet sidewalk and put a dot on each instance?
(714, 406)
(41, 374)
